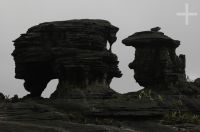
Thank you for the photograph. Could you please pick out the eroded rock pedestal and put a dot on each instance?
(74, 52)
(156, 63)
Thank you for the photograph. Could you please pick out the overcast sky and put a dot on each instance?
(131, 16)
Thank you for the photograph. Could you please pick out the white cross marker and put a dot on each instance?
(186, 14)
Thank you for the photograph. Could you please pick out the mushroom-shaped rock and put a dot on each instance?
(72, 51)
(156, 61)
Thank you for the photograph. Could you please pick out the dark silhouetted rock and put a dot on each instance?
(15, 98)
(73, 51)
(156, 62)
(2, 97)
(156, 29)
(197, 82)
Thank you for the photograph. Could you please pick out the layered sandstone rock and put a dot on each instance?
(156, 62)
(65, 51)
(73, 51)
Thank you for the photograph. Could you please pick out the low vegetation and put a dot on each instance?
(179, 116)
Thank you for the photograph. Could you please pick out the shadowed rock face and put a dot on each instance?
(73, 51)
(2, 97)
(156, 61)
(197, 82)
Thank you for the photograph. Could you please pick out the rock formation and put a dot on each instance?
(2, 97)
(197, 82)
(72, 51)
(156, 62)
(75, 53)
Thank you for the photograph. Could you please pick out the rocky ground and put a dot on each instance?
(144, 111)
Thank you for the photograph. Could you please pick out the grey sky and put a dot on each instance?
(129, 15)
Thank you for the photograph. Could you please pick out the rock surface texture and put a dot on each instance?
(75, 53)
(72, 51)
(156, 62)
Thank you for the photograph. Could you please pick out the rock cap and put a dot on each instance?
(150, 38)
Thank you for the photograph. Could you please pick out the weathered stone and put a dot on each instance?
(156, 62)
(73, 51)
(58, 126)
(15, 98)
(2, 97)
(197, 82)
(127, 112)
(85, 68)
